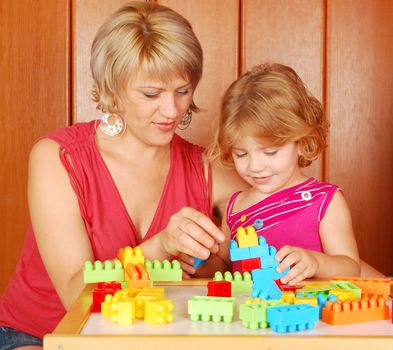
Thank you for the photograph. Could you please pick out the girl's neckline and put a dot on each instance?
(277, 196)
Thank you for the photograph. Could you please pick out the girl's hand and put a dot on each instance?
(302, 262)
(191, 232)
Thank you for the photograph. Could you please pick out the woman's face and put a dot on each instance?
(152, 109)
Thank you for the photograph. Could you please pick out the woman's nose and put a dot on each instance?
(168, 107)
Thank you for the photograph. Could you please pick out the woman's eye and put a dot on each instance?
(183, 91)
(150, 94)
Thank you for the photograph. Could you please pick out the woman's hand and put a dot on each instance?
(303, 264)
(192, 233)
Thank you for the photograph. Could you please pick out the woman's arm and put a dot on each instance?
(340, 255)
(58, 226)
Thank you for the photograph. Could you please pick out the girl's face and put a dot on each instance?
(153, 109)
(266, 168)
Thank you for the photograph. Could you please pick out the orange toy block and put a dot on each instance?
(128, 255)
(137, 276)
(355, 311)
(159, 311)
(369, 285)
(247, 237)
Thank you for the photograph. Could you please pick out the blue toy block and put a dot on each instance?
(260, 250)
(236, 253)
(269, 291)
(197, 262)
(264, 275)
(292, 318)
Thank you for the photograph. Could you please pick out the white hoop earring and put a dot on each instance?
(111, 125)
(186, 120)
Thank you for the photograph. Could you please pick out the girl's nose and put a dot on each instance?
(255, 164)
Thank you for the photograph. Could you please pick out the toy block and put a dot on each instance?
(240, 283)
(123, 310)
(286, 287)
(103, 272)
(147, 294)
(267, 290)
(159, 311)
(254, 314)
(314, 290)
(236, 253)
(292, 318)
(98, 295)
(355, 311)
(246, 237)
(136, 276)
(205, 308)
(219, 289)
(343, 294)
(246, 265)
(164, 271)
(290, 298)
(267, 274)
(348, 285)
(106, 306)
(369, 285)
(262, 249)
(128, 255)
(198, 262)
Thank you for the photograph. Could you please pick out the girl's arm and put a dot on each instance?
(58, 226)
(340, 255)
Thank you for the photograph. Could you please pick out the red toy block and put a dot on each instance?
(246, 265)
(286, 287)
(98, 295)
(219, 289)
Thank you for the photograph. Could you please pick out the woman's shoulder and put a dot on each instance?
(70, 134)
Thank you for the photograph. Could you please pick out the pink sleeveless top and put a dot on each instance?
(289, 217)
(30, 303)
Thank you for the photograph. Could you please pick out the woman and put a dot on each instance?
(126, 179)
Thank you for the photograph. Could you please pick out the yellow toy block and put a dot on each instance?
(123, 311)
(288, 297)
(247, 237)
(140, 301)
(343, 294)
(310, 301)
(159, 311)
(128, 255)
(106, 306)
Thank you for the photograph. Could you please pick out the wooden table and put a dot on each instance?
(81, 330)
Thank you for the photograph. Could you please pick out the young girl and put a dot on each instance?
(271, 127)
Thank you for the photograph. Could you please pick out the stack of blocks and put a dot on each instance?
(252, 253)
(139, 300)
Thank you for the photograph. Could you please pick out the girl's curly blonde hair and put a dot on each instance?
(270, 102)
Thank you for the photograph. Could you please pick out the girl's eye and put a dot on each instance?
(239, 155)
(270, 153)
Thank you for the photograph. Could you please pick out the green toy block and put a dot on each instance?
(164, 271)
(241, 283)
(103, 271)
(315, 290)
(254, 314)
(203, 308)
(348, 285)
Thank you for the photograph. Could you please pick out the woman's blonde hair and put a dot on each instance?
(142, 38)
(271, 103)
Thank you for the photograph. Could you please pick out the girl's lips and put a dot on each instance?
(261, 180)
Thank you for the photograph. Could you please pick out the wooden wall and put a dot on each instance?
(341, 48)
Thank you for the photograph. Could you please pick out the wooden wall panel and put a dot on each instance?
(88, 15)
(289, 32)
(218, 39)
(216, 24)
(360, 107)
(33, 100)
